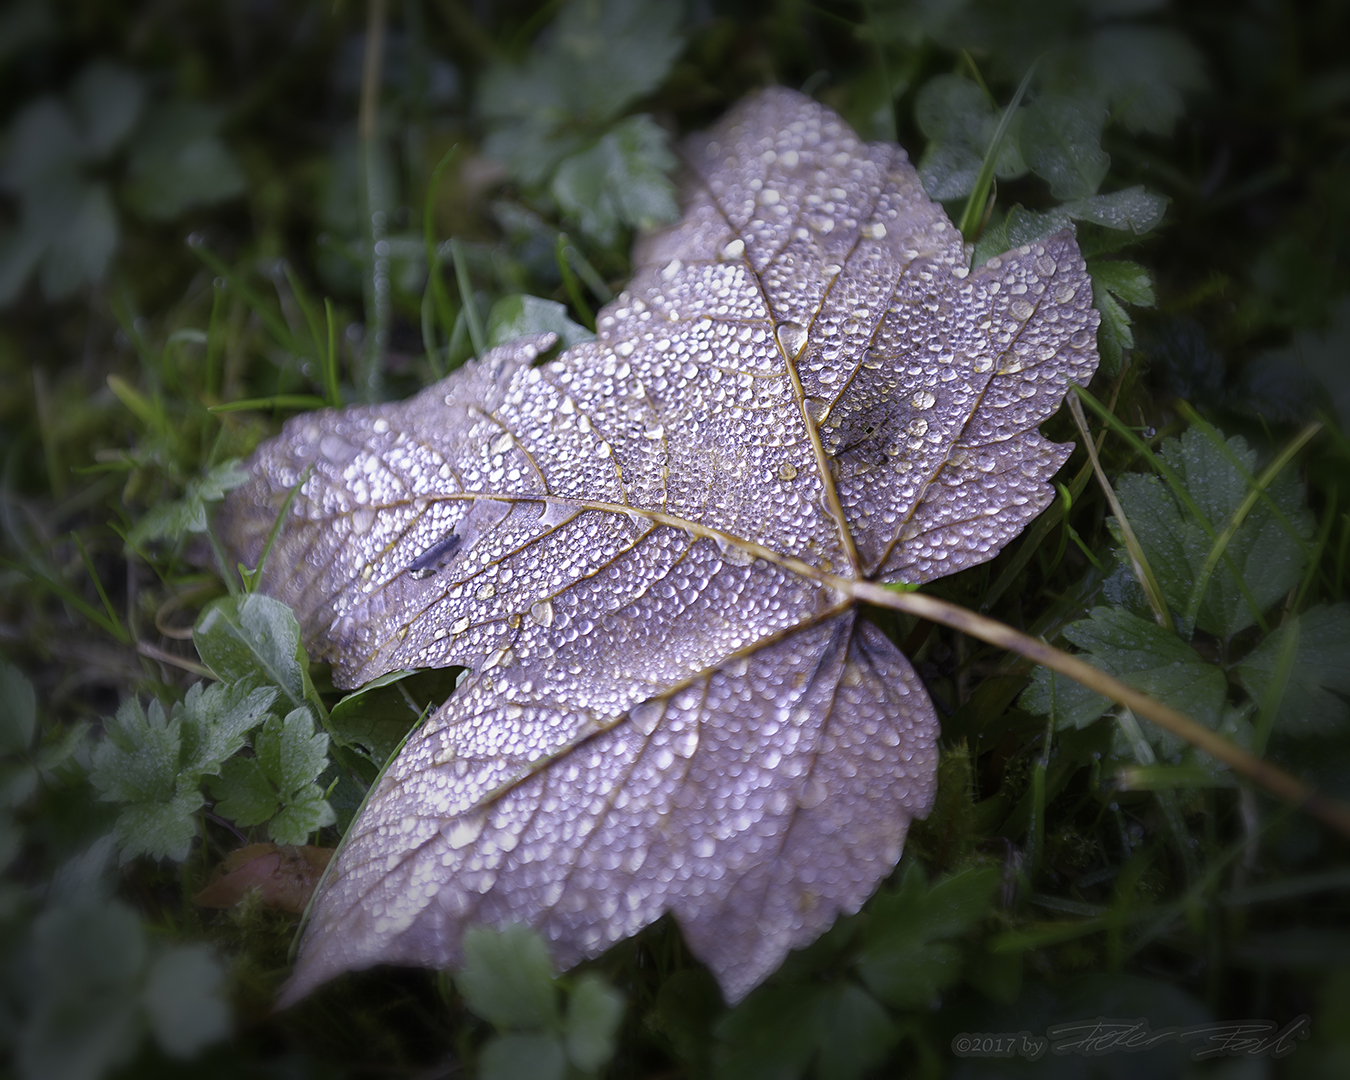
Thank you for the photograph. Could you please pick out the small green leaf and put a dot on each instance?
(1135, 210)
(215, 721)
(376, 717)
(599, 56)
(43, 140)
(306, 811)
(18, 710)
(960, 122)
(594, 1012)
(522, 1057)
(855, 1032)
(107, 99)
(159, 829)
(173, 521)
(1061, 139)
(183, 1001)
(1143, 71)
(507, 978)
(1115, 333)
(905, 960)
(178, 162)
(1312, 701)
(84, 1018)
(1140, 653)
(277, 784)
(137, 761)
(621, 180)
(241, 637)
(1127, 281)
(522, 315)
(291, 752)
(771, 1034)
(243, 793)
(1268, 557)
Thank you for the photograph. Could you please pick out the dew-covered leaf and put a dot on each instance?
(662, 715)
(1136, 209)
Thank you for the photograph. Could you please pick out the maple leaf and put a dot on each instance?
(637, 548)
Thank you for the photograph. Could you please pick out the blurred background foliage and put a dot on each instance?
(214, 215)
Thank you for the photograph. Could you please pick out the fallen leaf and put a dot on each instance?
(285, 876)
(671, 707)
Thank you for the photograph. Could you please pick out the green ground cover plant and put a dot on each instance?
(214, 218)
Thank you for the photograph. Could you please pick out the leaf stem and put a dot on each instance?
(1273, 779)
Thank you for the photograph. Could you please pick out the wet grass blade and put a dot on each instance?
(973, 214)
(1138, 560)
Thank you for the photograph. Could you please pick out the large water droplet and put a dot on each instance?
(463, 831)
(646, 716)
(791, 336)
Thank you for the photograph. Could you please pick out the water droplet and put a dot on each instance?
(923, 400)
(459, 626)
(787, 471)
(813, 794)
(685, 742)
(734, 250)
(769, 197)
(672, 268)
(1021, 310)
(503, 443)
(874, 231)
(918, 426)
(362, 520)
(463, 831)
(541, 611)
(792, 337)
(646, 716)
(555, 512)
(486, 591)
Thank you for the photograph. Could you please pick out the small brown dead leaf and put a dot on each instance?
(285, 876)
